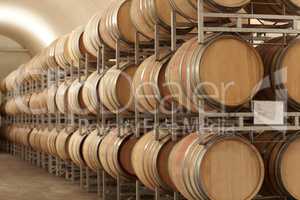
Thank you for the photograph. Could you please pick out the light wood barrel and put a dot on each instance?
(22, 104)
(38, 102)
(44, 135)
(90, 150)
(151, 93)
(281, 162)
(116, 25)
(61, 54)
(188, 8)
(32, 138)
(51, 103)
(75, 146)
(61, 97)
(51, 141)
(291, 7)
(90, 95)
(281, 71)
(224, 72)
(62, 143)
(75, 98)
(115, 88)
(149, 160)
(49, 55)
(145, 13)
(91, 37)
(75, 46)
(210, 166)
(115, 153)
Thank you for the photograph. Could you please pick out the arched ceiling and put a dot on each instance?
(34, 23)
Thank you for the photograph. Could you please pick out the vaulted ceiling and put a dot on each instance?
(33, 24)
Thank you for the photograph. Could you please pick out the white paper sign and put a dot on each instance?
(268, 112)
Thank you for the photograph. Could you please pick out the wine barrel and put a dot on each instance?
(32, 137)
(61, 97)
(286, 7)
(49, 55)
(22, 104)
(75, 98)
(75, 146)
(75, 46)
(44, 135)
(151, 93)
(62, 56)
(62, 143)
(90, 94)
(210, 166)
(115, 88)
(281, 163)
(188, 9)
(51, 142)
(117, 25)
(91, 37)
(115, 153)
(149, 160)
(51, 104)
(281, 71)
(38, 102)
(146, 13)
(229, 80)
(90, 150)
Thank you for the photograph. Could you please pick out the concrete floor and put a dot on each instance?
(21, 181)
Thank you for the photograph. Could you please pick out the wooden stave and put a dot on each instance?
(190, 146)
(109, 153)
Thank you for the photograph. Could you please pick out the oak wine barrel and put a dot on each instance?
(210, 166)
(149, 160)
(282, 162)
(188, 8)
(115, 88)
(151, 93)
(274, 7)
(281, 71)
(146, 13)
(62, 143)
(115, 153)
(225, 72)
(90, 150)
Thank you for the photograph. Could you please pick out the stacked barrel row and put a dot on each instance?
(200, 166)
(225, 73)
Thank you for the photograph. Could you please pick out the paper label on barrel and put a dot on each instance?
(268, 112)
